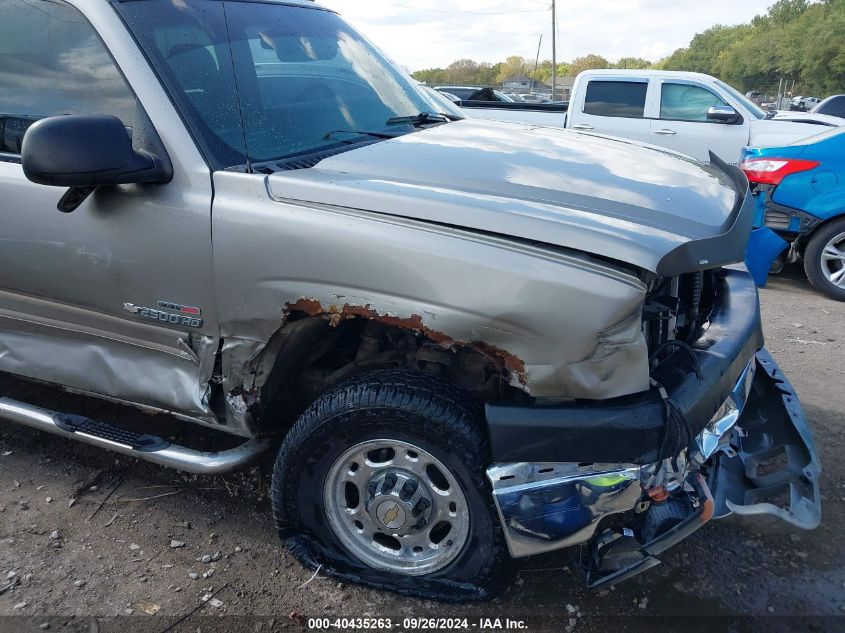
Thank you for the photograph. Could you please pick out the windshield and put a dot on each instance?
(755, 110)
(259, 82)
(444, 104)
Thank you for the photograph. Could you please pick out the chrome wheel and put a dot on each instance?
(833, 260)
(396, 507)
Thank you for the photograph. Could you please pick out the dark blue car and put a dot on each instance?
(800, 191)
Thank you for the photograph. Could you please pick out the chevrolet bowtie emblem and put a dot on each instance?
(391, 515)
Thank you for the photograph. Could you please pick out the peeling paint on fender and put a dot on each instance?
(414, 323)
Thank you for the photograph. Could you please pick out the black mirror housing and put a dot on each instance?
(87, 151)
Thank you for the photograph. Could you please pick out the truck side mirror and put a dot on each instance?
(85, 152)
(722, 114)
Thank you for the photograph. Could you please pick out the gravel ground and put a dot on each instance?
(104, 543)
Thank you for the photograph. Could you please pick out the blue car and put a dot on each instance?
(800, 191)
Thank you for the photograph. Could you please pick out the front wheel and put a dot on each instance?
(824, 259)
(381, 481)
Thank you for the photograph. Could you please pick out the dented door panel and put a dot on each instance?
(99, 354)
(90, 300)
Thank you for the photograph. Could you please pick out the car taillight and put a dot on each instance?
(770, 171)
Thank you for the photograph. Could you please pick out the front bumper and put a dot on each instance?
(755, 462)
(630, 429)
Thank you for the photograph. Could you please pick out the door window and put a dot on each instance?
(51, 63)
(683, 102)
(616, 98)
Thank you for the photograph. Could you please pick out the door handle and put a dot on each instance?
(583, 126)
(665, 132)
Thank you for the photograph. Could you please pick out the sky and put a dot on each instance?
(421, 34)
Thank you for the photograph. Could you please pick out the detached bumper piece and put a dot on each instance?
(770, 478)
(756, 455)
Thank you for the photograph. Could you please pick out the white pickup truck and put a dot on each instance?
(687, 112)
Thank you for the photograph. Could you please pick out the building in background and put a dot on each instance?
(523, 83)
(563, 88)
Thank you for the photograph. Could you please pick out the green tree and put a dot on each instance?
(787, 11)
(797, 40)
(462, 71)
(544, 71)
(430, 76)
(703, 52)
(588, 62)
(633, 62)
(513, 66)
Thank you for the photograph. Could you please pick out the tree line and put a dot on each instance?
(470, 72)
(802, 41)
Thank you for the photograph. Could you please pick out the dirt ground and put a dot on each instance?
(99, 542)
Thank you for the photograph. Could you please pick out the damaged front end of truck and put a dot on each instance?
(628, 478)
(646, 402)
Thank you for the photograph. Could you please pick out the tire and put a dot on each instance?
(818, 267)
(443, 426)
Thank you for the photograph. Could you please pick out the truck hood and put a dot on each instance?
(788, 127)
(635, 204)
(810, 117)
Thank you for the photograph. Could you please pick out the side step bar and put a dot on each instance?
(147, 447)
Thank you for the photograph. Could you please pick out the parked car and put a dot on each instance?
(800, 189)
(832, 106)
(465, 339)
(803, 104)
(475, 93)
(447, 103)
(690, 113)
(461, 92)
(534, 98)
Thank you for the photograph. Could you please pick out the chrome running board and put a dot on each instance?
(150, 448)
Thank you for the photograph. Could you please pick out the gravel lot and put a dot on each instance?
(103, 543)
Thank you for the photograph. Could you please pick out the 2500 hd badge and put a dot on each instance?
(167, 317)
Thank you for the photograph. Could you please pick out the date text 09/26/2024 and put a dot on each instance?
(418, 624)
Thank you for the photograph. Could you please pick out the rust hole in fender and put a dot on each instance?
(412, 323)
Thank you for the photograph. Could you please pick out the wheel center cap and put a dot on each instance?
(391, 515)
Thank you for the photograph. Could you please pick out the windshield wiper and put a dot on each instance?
(422, 118)
(331, 133)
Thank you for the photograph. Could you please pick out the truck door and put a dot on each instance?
(116, 297)
(613, 106)
(682, 123)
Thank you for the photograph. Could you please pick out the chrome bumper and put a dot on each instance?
(549, 506)
(544, 507)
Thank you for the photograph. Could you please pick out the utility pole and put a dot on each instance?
(554, 50)
(536, 63)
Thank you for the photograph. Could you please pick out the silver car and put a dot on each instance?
(467, 341)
